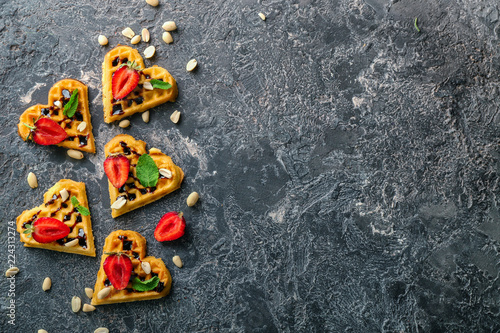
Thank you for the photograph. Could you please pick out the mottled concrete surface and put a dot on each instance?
(347, 164)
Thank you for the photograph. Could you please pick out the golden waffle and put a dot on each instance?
(83, 140)
(53, 206)
(140, 99)
(136, 194)
(134, 245)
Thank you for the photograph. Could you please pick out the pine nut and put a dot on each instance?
(192, 199)
(146, 267)
(101, 330)
(47, 284)
(166, 173)
(128, 32)
(77, 155)
(169, 26)
(191, 65)
(103, 293)
(72, 243)
(82, 126)
(119, 203)
(64, 194)
(175, 116)
(89, 292)
(149, 52)
(177, 261)
(262, 16)
(124, 123)
(145, 35)
(11, 272)
(58, 104)
(102, 40)
(147, 85)
(42, 331)
(153, 3)
(167, 37)
(145, 117)
(76, 304)
(32, 181)
(88, 308)
(136, 39)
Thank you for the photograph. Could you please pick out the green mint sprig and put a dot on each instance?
(147, 171)
(160, 84)
(72, 105)
(84, 211)
(147, 285)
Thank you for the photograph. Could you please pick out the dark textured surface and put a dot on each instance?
(347, 164)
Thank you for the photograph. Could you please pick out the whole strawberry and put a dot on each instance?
(46, 132)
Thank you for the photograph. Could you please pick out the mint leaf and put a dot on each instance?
(145, 285)
(160, 84)
(147, 171)
(72, 105)
(75, 202)
(84, 211)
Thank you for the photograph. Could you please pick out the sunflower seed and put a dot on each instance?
(167, 37)
(153, 3)
(147, 85)
(128, 32)
(47, 284)
(124, 123)
(76, 304)
(64, 194)
(58, 104)
(136, 39)
(149, 52)
(89, 292)
(32, 181)
(145, 117)
(88, 308)
(166, 173)
(72, 243)
(146, 267)
(82, 126)
(262, 16)
(101, 330)
(102, 40)
(169, 26)
(77, 155)
(11, 272)
(177, 261)
(175, 116)
(192, 199)
(145, 35)
(191, 65)
(103, 293)
(119, 203)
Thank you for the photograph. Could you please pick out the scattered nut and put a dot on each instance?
(89, 292)
(153, 3)
(104, 293)
(177, 261)
(82, 126)
(136, 39)
(262, 16)
(88, 308)
(169, 26)
(76, 304)
(146, 267)
(42, 331)
(191, 65)
(32, 181)
(58, 104)
(166, 173)
(175, 116)
(124, 123)
(72, 243)
(149, 52)
(145, 116)
(192, 199)
(77, 155)
(167, 37)
(101, 330)
(47, 284)
(119, 203)
(64, 194)
(145, 35)
(102, 40)
(147, 85)
(128, 32)
(11, 272)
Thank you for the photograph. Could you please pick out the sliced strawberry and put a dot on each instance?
(125, 79)
(47, 230)
(118, 268)
(46, 132)
(117, 168)
(170, 227)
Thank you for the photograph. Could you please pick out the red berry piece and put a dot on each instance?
(118, 268)
(117, 169)
(170, 227)
(125, 79)
(46, 132)
(47, 230)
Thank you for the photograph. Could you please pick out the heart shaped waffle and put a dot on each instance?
(140, 99)
(55, 207)
(134, 245)
(136, 194)
(60, 92)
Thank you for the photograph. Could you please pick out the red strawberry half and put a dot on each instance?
(170, 227)
(125, 79)
(118, 268)
(117, 168)
(46, 132)
(47, 229)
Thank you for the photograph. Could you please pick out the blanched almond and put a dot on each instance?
(169, 26)
(77, 155)
(47, 284)
(89, 292)
(103, 293)
(146, 267)
(175, 116)
(153, 3)
(11, 271)
(191, 65)
(128, 32)
(124, 123)
(136, 39)
(166, 173)
(58, 104)
(192, 199)
(145, 116)
(32, 181)
(101, 330)
(76, 304)
(103, 40)
(88, 308)
(145, 35)
(177, 261)
(262, 16)
(148, 86)
(167, 37)
(64, 194)
(42, 331)
(72, 243)
(149, 52)
(82, 126)
(119, 203)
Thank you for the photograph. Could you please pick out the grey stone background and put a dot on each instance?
(347, 164)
